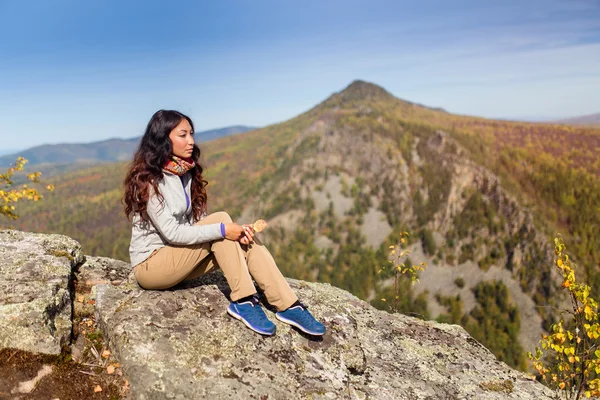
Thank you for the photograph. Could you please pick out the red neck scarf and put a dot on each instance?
(179, 166)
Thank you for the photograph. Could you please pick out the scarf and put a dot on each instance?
(179, 166)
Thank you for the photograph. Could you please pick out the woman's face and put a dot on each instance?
(182, 139)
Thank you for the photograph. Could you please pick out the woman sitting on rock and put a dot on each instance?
(173, 239)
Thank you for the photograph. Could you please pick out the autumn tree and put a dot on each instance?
(568, 358)
(9, 196)
(400, 265)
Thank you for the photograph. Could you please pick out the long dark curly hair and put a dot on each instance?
(146, 169)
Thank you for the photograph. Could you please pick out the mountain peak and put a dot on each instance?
(361, 90)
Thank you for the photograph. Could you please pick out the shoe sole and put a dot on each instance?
(240, 318)
(290, 322)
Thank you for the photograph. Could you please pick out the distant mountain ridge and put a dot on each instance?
(109, 150)
(591, 119)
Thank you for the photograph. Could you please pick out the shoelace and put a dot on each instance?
(257, 315)
(306, 316)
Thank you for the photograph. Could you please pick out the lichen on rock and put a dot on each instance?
(180, 343)
(35, 290)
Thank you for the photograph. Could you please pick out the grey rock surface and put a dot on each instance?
(181, 344)
(36, 289)
(95, 271)
(99, 270)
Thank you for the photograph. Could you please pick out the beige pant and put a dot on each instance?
(240, 263)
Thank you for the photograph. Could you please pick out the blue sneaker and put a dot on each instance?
(301, 318)
(252, 315)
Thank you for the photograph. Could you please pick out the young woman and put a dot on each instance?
(173, 238)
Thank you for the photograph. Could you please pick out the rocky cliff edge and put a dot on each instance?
(181, 344)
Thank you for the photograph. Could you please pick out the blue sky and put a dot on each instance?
(80, 71)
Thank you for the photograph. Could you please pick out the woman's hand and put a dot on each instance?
(244, 234)
(249, 234)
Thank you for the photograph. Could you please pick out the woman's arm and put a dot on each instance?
(176, 233)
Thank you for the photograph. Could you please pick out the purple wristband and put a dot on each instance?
(222, 229)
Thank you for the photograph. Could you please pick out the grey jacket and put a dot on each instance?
(171, 222)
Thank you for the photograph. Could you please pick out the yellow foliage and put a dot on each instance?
(568, 359)
(398, 268)
(8, 196)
